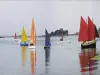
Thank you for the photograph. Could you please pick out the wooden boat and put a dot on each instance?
(88, 33)
(23, 38)
(33, 36)
(47, 40)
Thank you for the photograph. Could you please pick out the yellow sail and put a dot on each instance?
(33, 33)
(24, 36)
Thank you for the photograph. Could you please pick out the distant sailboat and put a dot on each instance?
(87, 34)
(15, 36)
(61, 39)
(47, 40)
(33, 36)
(23, 38)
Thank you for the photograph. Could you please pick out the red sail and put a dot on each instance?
(91, 30)
(83, 33)
(96, 32)
(15, 36)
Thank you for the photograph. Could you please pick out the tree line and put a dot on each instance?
(59, 32)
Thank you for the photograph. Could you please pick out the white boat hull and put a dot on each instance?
(69, 41)
(32, 47)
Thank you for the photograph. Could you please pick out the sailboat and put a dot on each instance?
(23, 38)
(15, 36)
(61, 39)
(47, 40)
(33, 36)
(87, 34)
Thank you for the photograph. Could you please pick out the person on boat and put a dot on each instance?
(85, 43)
(88, 42)
(31, 44)
(92, 41)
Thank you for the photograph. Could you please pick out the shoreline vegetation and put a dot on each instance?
(56, 33)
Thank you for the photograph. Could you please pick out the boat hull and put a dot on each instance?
(88, 46)
(32, 47)
(61, 39)
(23, 44)
(46, 47)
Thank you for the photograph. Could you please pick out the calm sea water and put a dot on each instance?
(61, 59)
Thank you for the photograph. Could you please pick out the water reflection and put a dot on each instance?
(47, 57)
(87, 65)
(33, 60)
(23, 56)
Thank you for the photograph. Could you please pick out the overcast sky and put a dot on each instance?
(51, 15)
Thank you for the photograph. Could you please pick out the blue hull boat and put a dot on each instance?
(23, 44)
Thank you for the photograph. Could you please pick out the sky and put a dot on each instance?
(49, 14)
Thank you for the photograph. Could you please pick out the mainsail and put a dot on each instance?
(24, 36)
(47, 38)
(83, 33)
(91, 30)
(15, 36)
(33, 33)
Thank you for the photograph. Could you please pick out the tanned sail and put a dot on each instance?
(96, 32)
(91, 30)
(33, 34)
(15, 36)
(83, 33)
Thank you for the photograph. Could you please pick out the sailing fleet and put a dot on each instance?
(87, 35)
(24, 38)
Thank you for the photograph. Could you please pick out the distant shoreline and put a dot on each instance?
(2, 37)
(38, 36)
